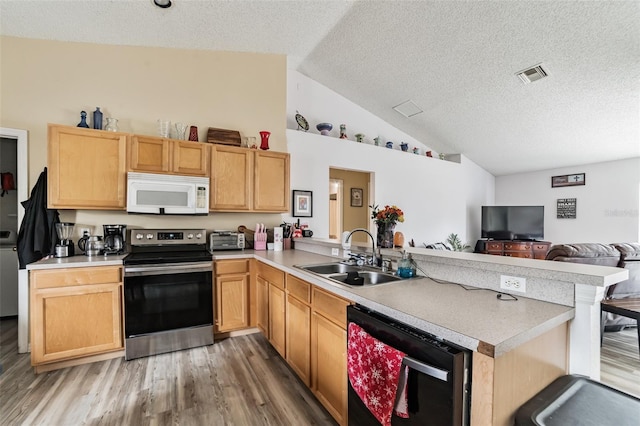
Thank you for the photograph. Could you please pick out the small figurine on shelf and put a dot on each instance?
(359, 137)
(343, 131)
(416, 150)
(442, 156)
(389, 145)
(404, 146)
(428, 154)
(83, 119)
(376, 141)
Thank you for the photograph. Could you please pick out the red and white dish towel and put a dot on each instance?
(374, 368)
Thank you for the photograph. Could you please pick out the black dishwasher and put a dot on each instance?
(438, 381)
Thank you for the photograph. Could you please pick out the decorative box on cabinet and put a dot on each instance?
(249, 180)
(86, 168)
(75, 313)
(170, 156)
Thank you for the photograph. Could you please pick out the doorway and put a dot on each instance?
(335, 208)
(18, 140)
(350, 208)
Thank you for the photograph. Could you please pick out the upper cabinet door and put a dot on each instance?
(149, 154)
(87, 168)
(271, 182)
(231, 172)
(190, 158)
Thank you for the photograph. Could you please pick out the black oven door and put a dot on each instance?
(167, 297)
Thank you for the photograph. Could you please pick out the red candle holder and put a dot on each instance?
(264, 139)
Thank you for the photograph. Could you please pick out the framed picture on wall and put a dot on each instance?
(567, 180)
(356, 197)
(302, 203)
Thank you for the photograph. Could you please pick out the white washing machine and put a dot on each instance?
(8, 274)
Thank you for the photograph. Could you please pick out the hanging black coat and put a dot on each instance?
(37, 237)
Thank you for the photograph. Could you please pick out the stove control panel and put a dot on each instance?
(141, 237)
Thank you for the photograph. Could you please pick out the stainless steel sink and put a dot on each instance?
(370, 278)
(331, 268)
(339, 272)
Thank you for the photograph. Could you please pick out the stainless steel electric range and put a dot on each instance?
(168, 291)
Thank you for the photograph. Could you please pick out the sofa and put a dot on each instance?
(621, 255)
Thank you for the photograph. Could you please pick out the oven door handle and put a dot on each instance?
(427, 369)
(171, 268)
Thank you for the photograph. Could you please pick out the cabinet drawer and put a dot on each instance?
(75, 276)
(332, 307)
(299, 289)
(494, 247)
(517, 246)
(523, 254)
(271, 274)
(239, 266)
(540, 247)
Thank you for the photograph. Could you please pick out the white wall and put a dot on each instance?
(438, 197)
(607, 205)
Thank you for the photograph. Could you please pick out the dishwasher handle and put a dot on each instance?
(427, 369)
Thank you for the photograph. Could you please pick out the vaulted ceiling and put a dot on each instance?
(456, 60)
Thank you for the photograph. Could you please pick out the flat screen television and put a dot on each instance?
(513, 222)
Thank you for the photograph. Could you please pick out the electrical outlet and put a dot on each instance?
(335, 252)
(513, 283)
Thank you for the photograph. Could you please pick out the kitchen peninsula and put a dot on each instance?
(560, 300)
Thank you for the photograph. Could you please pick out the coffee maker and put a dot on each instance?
(65, 247)
(114, 238)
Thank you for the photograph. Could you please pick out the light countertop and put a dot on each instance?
(474, 319)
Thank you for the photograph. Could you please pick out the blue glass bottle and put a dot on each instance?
(97, 119)
(83, 119)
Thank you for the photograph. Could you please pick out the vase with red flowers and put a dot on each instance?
(386, 220)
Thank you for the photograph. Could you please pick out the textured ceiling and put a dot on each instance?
(456, 60)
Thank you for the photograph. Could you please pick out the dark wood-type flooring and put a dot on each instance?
(236, 381)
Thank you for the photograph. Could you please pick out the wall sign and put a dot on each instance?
(356, 197)
(567, 180)
(566, 208)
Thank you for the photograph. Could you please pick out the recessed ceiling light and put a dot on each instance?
(408, 108)
(162, 3)
(532, 74)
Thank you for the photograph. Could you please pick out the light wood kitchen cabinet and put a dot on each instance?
(271, 281)
(86, 168)
(232, 295)
(249, 180)
(75, 312)
(271, 182)
(231, 174)
(298, 330)
(168, 156)
(329, 352)
(262, 305)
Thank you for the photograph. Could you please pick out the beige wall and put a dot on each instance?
(354, 217)
(51, 82)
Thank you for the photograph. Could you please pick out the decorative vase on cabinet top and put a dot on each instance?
(112, 124)
(83, 120)
(264, 139)
(97, 119)
(324, 128)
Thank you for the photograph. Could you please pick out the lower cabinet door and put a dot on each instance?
(298, 342)
(70, 322)
(329, 366)
(277, 326)
(232, 302)
(262, 305)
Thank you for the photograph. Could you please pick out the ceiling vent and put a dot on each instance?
(532, 74)
(408, 109)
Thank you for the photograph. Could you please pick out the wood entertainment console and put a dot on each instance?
(527, 249)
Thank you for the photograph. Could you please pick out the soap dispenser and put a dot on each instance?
(405, 266)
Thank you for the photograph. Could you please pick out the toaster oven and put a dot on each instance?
(226, 240)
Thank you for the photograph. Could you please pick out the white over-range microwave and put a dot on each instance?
(167, 194)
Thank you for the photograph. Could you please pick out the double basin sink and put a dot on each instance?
(350, 274)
